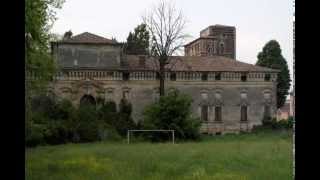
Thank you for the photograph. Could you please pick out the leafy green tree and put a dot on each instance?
(271, 57)
(172, 111)
(108, 113)
(39, 17)
(138, 41)
(87, 123)
(43, 104)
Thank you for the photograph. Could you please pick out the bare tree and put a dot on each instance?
(166, 26)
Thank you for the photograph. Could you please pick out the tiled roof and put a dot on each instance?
(219, 25)
(208, 37)
(194, 63)
(87, 37)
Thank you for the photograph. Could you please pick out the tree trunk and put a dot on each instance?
(162, 75)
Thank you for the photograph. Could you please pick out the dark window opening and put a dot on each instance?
(221, 48)
(204, 113)
(218, 76)
(157, 75)
(173, 76)
(244, 114)
(87, 100)
(243, 77)
(204, 76)
(267, 77)
(267, 113)
(218, 133)
(109, 74)
(125, 76)
(218, 114)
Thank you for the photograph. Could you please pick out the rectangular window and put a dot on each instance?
(267, 77)
(125, 76)
(218, 113)
(110, 74)
(173, 76)
(157, 75)
(218, 76)
(244, 113)
(243, 77)
(204, 113)
(204, 76)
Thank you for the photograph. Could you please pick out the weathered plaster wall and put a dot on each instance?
(143, 92)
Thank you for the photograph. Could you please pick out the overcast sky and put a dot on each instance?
(256, 21)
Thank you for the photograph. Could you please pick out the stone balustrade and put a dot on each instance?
(151, 75)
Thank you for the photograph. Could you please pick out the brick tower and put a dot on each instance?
(216, 40)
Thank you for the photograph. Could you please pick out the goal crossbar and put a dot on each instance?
(149, 130)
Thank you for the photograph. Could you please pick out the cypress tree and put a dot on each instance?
(271, 57)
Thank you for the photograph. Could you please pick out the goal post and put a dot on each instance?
(147, 130)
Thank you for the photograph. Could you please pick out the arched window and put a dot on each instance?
(204, 113)
(87, 100)
(218, 115)
(244, 113)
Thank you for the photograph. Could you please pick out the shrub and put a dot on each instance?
(274, 124)
(108, 113)
(267, 121)
(124, 121)
(290, 122)
(108, 133)
(55, 122)
(282, 124)
(172, 111)
(56, 132)
(42, 103)
(34, 134)
(63, 109)
(87, 123)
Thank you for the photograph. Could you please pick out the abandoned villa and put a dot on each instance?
(228, 95)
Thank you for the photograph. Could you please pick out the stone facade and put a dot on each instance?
(228, 96)
(142, 90)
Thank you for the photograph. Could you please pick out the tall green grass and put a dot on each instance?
(261, 156)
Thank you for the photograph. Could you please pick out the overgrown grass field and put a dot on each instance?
(260, 156)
